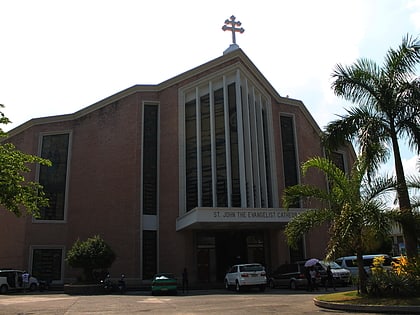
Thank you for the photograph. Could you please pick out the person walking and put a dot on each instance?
(330, 279)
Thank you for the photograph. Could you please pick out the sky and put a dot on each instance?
(58, 57)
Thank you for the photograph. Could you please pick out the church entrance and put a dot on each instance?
(217, 251)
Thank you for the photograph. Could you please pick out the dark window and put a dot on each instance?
(222, 199)
(149, 254)
(53, 178)
(338, 160)
(234, 150)
(289, 153)
(269, 202)
(206, 171)
(191, 155)
(150, 158)
(46, 264)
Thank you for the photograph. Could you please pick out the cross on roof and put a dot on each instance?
(232, 28)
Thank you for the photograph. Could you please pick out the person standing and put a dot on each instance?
(25, 280)
(184, 280)
(330, 279)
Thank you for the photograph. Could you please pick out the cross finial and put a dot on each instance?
(232, 28)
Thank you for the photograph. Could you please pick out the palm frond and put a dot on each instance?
(304, 222)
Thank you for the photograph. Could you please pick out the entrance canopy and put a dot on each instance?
(231, 218)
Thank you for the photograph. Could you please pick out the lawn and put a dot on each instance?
(351, 297)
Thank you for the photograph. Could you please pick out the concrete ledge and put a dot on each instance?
(403, 309)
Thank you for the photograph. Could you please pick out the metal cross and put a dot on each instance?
(232, 28)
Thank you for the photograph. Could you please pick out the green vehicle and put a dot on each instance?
(164, 283)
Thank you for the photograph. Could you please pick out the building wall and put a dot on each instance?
(105, 180)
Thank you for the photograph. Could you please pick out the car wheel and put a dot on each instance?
(32, 287)
(227, 285)
(293, 285)
(237, 287)
(3, 289)
(271, 284)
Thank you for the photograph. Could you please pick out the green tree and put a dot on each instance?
(90, 255)
(387, 108)
(16, 193)
(352, 207)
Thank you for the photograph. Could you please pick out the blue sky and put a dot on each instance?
(60, 56)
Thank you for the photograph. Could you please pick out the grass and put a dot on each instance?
(351, 297)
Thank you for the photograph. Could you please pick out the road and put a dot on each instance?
(195, 302)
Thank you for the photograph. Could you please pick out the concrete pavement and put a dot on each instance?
(276, 301)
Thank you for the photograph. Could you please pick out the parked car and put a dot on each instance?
(11, 280)
(292, 276)
(164, 283)
(350, 263)
(246, 275)
(341, 276)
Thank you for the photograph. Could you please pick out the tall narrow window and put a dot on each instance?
(269, 202)
(234, 148)
(222, 198)
(150, 159)
(289, 152)
(191, 155)
(149, 254)
(206, 170)
(53, 178)
(338, 160)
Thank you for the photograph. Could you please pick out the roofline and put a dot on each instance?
(238, 53)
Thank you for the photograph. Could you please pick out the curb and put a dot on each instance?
(403, 309)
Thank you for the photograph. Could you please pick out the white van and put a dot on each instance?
(11, 280)
(350, 263)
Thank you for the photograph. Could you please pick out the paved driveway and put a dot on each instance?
(196, 302)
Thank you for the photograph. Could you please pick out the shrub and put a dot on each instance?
(403, 280)
(90, 255)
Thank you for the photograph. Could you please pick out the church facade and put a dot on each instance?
(186, 173)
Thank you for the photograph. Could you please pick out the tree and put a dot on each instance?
(16, 193)
(90, 255)
(351, 206)
(387, 108)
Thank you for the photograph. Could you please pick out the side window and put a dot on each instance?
(368, 262)
(350, 263)
(54, 178)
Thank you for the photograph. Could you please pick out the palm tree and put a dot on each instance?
(352, 207)
(388, 108)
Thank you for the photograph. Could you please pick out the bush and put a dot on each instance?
(402, 281)
(90, 255)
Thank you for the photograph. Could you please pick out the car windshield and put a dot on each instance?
(332, 264)
(248, 268)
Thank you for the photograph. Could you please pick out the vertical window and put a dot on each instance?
(269, 202)
(234, 149)
(338, 160)
(46, 264)
(289, 151)
(53, 178)
(191, 155)
(149, 254)
(206, 170)
(150, 159)
(222, 198)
